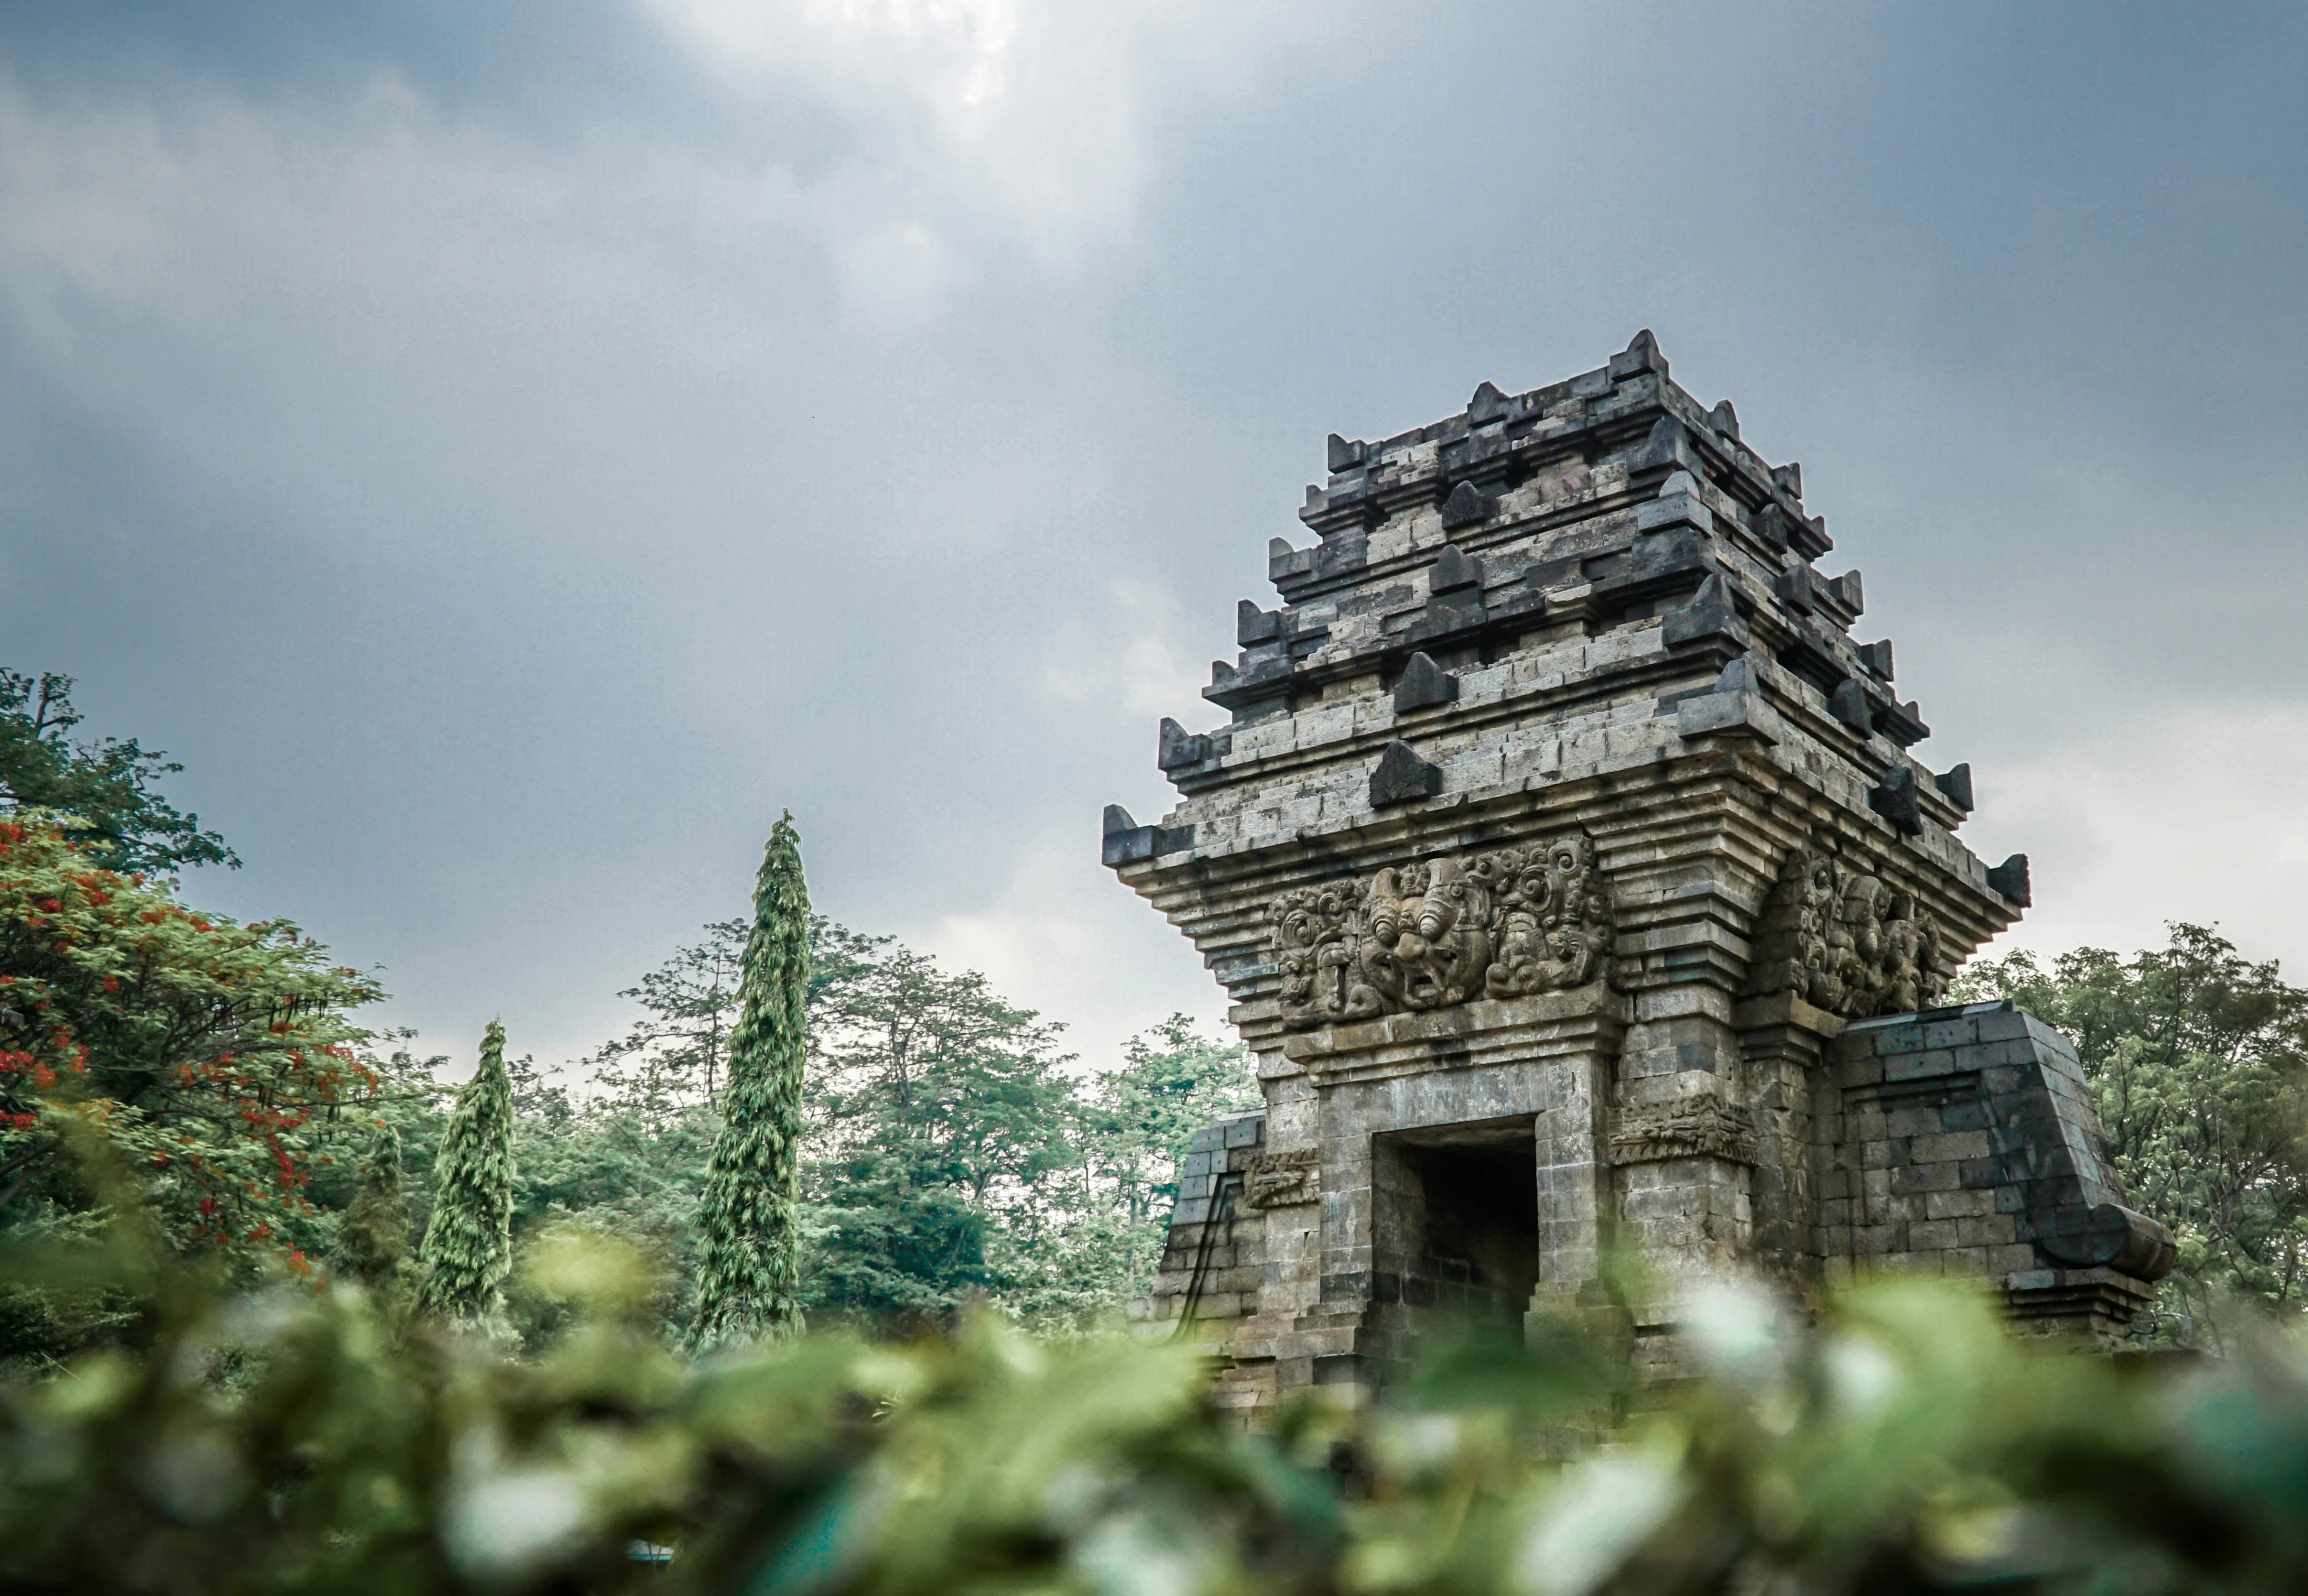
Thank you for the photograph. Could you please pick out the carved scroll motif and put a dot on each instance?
(1702, 1127)
(1845, 941)
(1442, 931)
(1276, 1180)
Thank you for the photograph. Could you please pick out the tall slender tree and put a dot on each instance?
(750, 1273)
(468, 1246)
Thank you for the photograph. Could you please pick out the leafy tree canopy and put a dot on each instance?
(676, 1056)
(107, 787)
(468, 1246)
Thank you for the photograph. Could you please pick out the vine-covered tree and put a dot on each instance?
(106, 787)
(749, 1271)
(375, 1234)
(2198, 1059)
(468, 1247)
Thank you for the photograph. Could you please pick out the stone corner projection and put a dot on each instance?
(1566, 861)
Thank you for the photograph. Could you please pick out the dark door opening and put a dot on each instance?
(1456, 1223)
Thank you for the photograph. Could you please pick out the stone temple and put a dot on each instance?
(1577, 889)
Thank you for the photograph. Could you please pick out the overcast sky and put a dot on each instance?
(509, 452)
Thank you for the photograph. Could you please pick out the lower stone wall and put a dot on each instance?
(1213, 1263)
(1956, 1141)
(1964, 1142)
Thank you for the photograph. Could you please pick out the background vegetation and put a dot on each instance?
(220, 1372)
(952, 1149)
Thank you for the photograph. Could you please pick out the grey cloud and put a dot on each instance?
(525, 471)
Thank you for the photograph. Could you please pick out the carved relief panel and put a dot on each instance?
(1443, 931)
(1276, 1180)
(1845, 941)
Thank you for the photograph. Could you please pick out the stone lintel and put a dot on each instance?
(1484, 1031)
(1786, 1010)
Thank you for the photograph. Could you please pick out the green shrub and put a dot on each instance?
(300, 1439)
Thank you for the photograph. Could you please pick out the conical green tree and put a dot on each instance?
(468, 1247)
(750, 1272)
(375, 1239)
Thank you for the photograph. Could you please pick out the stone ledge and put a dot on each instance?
(1572, 1017)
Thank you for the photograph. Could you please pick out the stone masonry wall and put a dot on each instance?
(1965, 1142)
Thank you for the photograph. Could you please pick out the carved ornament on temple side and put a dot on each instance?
(1845, 941)
(1275, 1180)
(1503, 924)
(1698, 1127)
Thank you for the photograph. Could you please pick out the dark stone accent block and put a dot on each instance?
(1667, 445)
(1894, 798)
(1955, 786)
(1126, 841)
(1180, 748)
(1876, 657)
(1465, 507)
(1709, 614)
(1642, 354)
(1848, 704)
(1402, 777)
(2105, 1236)
(1454, 569)
(2011, 879)
(1424, 685)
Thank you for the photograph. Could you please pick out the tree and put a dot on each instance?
(375, 1233)
(468, 1247)
(749, 1276)
(942, 1117)
(107, 787)
(1172, 1082)
(2198, 1060)
(674, 1058)
(208, 1055)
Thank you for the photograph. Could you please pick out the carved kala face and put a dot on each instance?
(1441, 931)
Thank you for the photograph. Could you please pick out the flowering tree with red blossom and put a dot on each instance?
(211, 1058)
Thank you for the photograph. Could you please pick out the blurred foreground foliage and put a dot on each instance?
(302, 1438)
